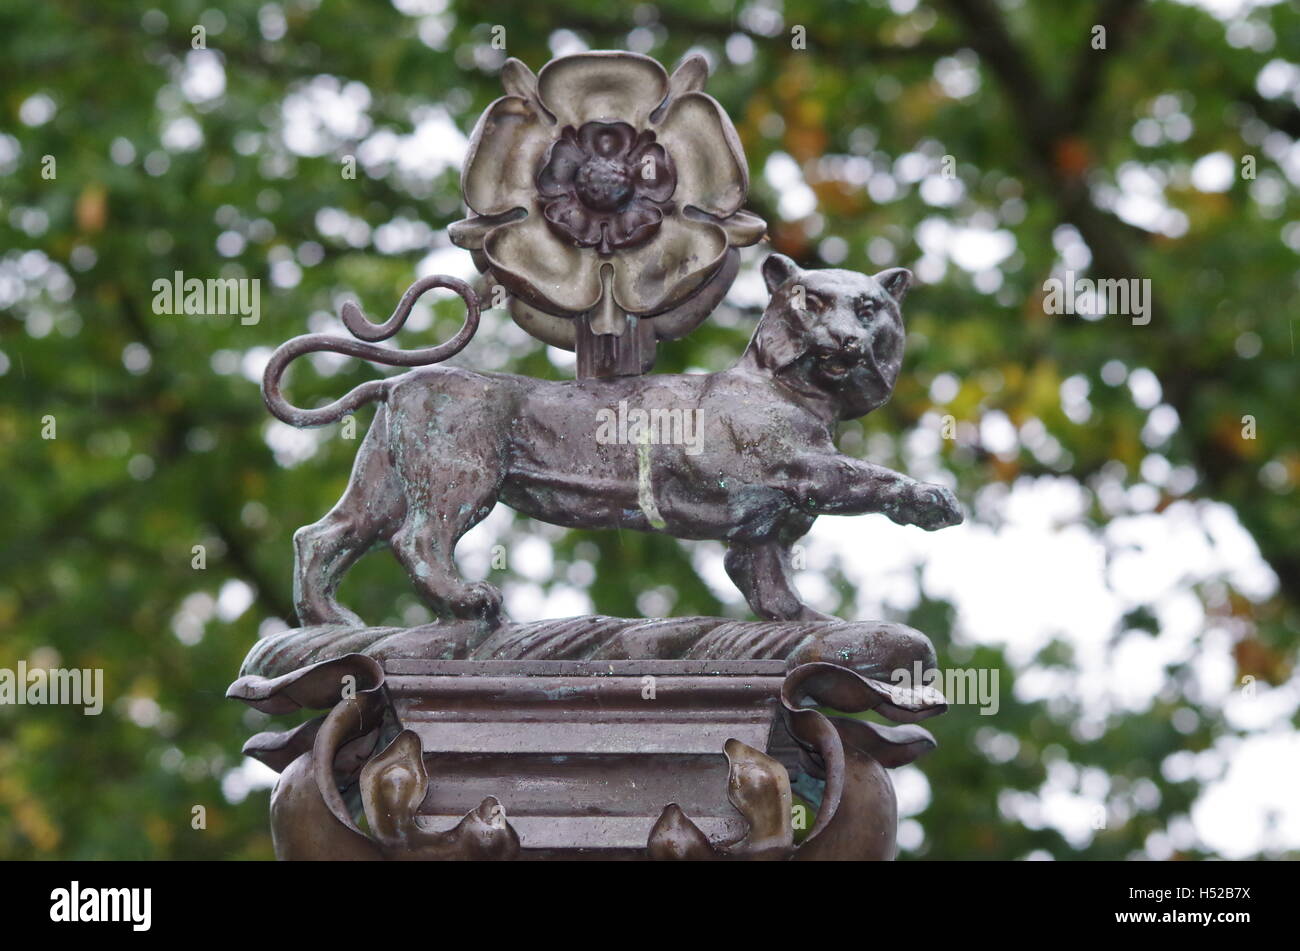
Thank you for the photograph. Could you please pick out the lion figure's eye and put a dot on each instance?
(814, 304)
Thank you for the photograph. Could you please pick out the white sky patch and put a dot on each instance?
(970, 247)
(1277, 79)
(566, 43)
(912, 789)
(37, 109)
(998, 434)
(338, 224)
(323, 113)
(402, 234)
(1254, 805)
(1138, 197)
(291, 445)
(434, 146)
(1228, 9)
(941, 192)
(253, 361)
(234, 598)
(958, 75)
(182, 134)
(248, 777)
(1214, 172)
(796, 199)
(449, 260)
(189, 621)
(749, 289)
(203, 77)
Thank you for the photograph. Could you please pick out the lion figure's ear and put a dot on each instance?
(895, 281)
(778, 269)
(780, 339)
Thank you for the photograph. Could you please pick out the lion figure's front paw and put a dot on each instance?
(932, 506)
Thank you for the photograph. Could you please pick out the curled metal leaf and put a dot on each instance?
(858, 815)
(317, 686)
(834, 686)
(675, 837)
(394, 784)
(759, 788)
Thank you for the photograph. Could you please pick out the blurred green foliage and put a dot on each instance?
(162, 440)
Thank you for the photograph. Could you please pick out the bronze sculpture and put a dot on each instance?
(447, 444)
(423, 721)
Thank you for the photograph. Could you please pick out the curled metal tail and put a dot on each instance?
(362, 328)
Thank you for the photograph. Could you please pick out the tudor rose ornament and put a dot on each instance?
(605, 196)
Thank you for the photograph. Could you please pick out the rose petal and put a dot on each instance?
(652, 172)
(706, 153)
(518, 80)
(670, 267)
(607, 139)
(743, 228)
(602, 85)
(470, 232)
(540, 269)
(504, 152)
(677, 322)
(562, 163)
(556, 331)
(634, 224)
(572, 222)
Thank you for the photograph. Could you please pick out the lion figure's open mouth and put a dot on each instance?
(837, 366)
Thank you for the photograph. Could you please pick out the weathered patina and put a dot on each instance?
(606, 196)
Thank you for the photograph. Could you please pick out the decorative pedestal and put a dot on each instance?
(584, 756)
(431, 758)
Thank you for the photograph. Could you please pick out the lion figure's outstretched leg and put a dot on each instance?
(763, 573)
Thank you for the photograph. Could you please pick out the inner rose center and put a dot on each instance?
(604, 184)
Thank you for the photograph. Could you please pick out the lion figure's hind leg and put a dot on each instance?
(325, 550)
(427, 553)
(451, 477)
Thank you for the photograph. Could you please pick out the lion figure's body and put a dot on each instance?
(745, 456)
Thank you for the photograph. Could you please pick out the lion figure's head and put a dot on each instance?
(837, 331)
